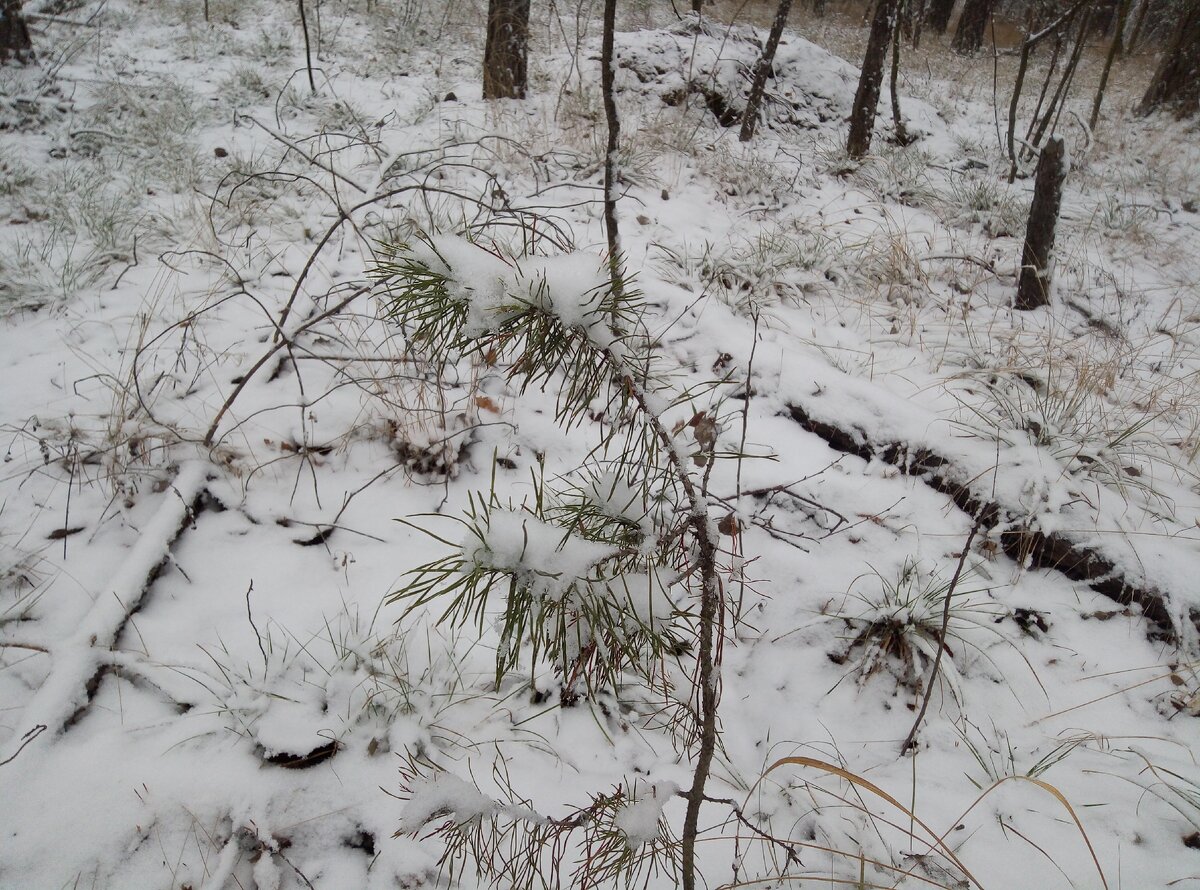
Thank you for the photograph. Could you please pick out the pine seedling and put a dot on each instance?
(589, 569)
(587, 566)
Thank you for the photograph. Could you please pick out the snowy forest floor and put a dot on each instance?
(201, 684)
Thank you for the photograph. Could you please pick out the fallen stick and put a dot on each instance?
(77, 663)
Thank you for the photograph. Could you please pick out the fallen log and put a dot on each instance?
(1025, 545)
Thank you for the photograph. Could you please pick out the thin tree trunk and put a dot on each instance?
(893, 83)
(1114, 50)
(14, 35)
(1027, 150)
(917, 21)
(763, 71)
(1033, 290)
(607, 76)
(1059, 100)
(1018, 86)
(937, 17)
(312, 83)
(866, 99)
(972, 24)
(1139, 21)
(1176, 83)
(506, 50)
(708, 681)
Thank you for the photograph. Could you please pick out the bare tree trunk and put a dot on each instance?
(914, 15)
(1059, 100)
(312, 84)
(505, 53)
(763, 71)
(894, 82)
(866, 100)
(1114, 50)
(972, 24)
(607, 76)
(937, 17)
(1176, 83)
(1138, 22)
(14, 35)
(1033, 290)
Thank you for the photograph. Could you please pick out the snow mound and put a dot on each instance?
(810, 88)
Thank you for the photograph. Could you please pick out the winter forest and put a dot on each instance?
(541, 445)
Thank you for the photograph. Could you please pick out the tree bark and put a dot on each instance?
(613, 122)
(1114, 50)
(763, 71)
(506, 50)
(937, 16)
(14, 35)
(972, 24)
(1176, 83)
(901, 134)
(866, 99)
(1033, 290)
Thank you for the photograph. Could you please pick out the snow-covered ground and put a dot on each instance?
(211, 428)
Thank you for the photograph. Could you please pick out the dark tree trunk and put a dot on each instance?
(972, 24)
(937, 16)
(1114, 50)
(1138, 22)
(14, 35)
(613, 122)
(763, 71)
(1104, 16)
(504, 54)
(866, 100)
(1033, 290)
(908, 16)
(901, 133)
(1176, 83)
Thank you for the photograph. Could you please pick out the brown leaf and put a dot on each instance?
(59, 533)
(487, 404)
(729, 525)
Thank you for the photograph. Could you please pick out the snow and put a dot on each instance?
(190, 624)
(440, 795)
(534, 551)
(638, 820)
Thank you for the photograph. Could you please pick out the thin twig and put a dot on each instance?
(26, 739)
(937, 660)
(328, 168)
(257, 634)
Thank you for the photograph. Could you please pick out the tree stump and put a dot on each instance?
(1033, 290)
